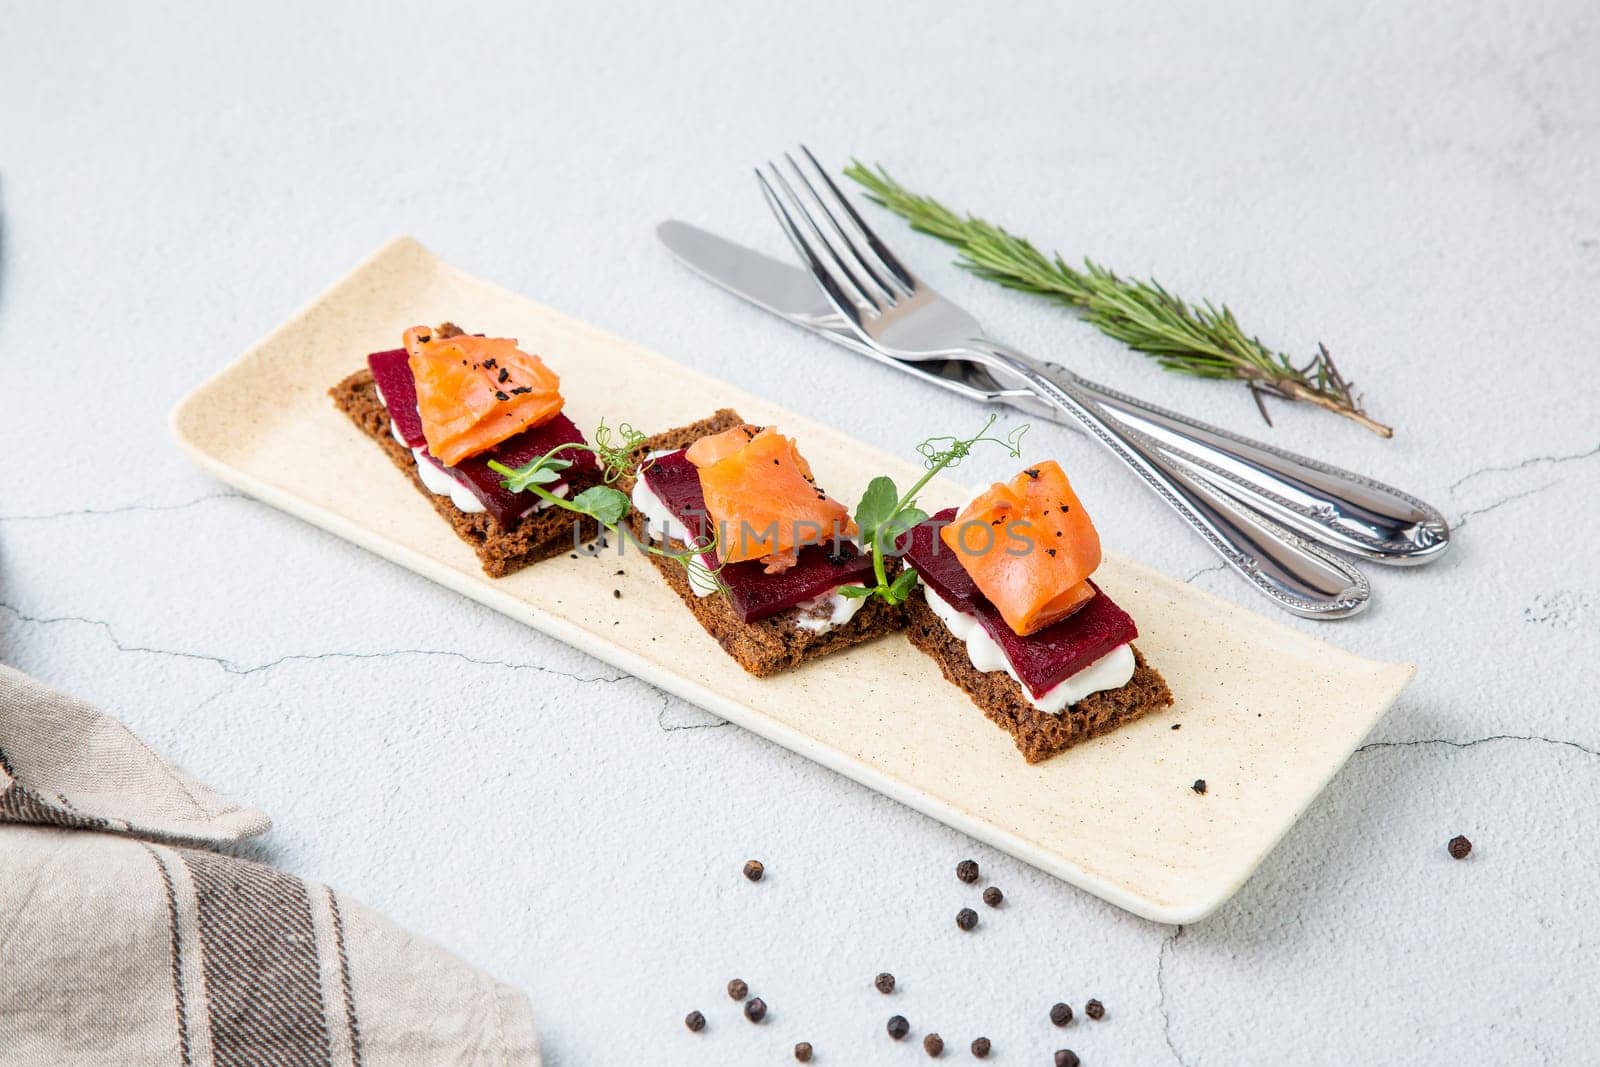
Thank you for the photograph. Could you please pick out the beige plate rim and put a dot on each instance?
(188, 419)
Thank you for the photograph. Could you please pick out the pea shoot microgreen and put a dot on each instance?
(604, 503)
(885, 514)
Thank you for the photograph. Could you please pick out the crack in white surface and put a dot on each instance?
(122, 509)
(1170, 942)
(236, 668)
(1531, 461)
(1472, 742)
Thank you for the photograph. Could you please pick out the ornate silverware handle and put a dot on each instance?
(1300, 577)
(1341, 509)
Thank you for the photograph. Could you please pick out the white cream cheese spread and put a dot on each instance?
(1111, 671)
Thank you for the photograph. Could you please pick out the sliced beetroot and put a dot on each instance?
(1042, 660)
(753, 593)
(392, 372)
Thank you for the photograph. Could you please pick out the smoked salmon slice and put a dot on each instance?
(1029, 546)
(475, 392)
(761, 498)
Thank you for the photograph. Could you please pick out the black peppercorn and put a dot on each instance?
(1060, 1014)
(933, 1045)
(967, 871)
(802, 1052)
(898, 1027)
(1199, 786)
(737, 989)
(1065, 1057)
(1095, 1010)
(980, 1047)
(755, 1009)
(695, 1022)
(966, 918)
(1460, 847)
(884, 982)
(753, 870)
(992, 896)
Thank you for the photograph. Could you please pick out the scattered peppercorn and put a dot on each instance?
(1460, 847)
(966, 918)
(980, 1047)
(1177, 726)
(802, 1052)
(695, 1022)
(617, 594)
(1199, 786)
(884, 982)
(737, 989)
(933, 1045)
(753, 870)
(1065, 1057)
(967, 871)
(755, 1009)
(992, 896)
(898, 1027)
(1095, 1010)
(1060, 1014)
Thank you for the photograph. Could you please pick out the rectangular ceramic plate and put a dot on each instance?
(1267, 712)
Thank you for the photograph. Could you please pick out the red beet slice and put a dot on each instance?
(753, 593)
(391, 371)
(1042, 660)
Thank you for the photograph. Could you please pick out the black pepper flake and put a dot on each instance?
(753, 870)
(981, 1047)
(775, 463)
(1199, 786)
(967, 871)
(737, 989)
(1032, 472)
(898, 1027)
(424, 340)
(617, 594)
(490, 364)
(1095, 1010)
(1060, 1014)
(802, 1052)
(755, 1009)
(966, 918)
(1460, 847)
(884, 982)
(621, 573)
(1065, 1057)
(519, 390)
(992, 896)
(1051, 553)
(695, 1022)
(1177, 726)
(503, 375)
(501, 395)
(1065, 508)
(933, 1045)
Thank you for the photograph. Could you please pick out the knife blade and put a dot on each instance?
(792, 295)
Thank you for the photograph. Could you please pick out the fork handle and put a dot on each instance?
(1341, 509)
(1298, 576)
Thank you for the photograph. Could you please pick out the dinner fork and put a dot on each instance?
(888, 307)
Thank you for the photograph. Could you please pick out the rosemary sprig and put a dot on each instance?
(1202, 340)
(885, 514)
(606, 505)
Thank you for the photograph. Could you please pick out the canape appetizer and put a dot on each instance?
(780, 578)
(451, 407)
(1006, 608)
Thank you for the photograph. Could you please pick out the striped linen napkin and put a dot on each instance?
(126, 938)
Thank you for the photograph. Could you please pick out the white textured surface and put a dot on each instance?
(1414, 187)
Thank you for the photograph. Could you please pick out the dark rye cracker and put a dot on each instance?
(542, 535)
(766, 646)
(1038, 734)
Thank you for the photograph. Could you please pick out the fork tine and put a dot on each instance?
(819, 270)
(888, 258)
(887, 288)
(800, 208)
